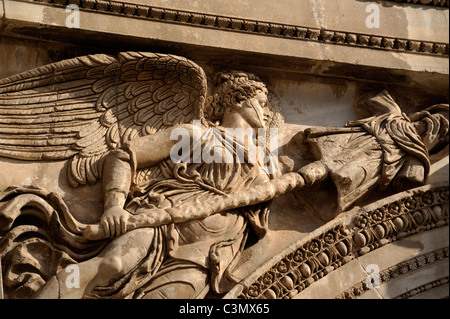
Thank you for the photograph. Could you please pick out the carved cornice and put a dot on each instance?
(341, 243)
(424, 288)
(400, 269)
(255, 27)
(435, 3)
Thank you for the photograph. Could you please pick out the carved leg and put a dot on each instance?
(117, 259)
(189, 281)
(57, 287)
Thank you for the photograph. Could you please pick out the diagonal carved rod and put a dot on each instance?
(157, 217)
(1, 281)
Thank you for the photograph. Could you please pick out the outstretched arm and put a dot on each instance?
(118, 171)
(152, 149)
(117, 174)
(197, 210)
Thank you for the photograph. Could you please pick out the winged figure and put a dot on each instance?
(169, 228)
(174, 225)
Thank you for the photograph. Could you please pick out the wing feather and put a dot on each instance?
(80, 109)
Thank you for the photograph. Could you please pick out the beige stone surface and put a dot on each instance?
(2, 12)
(52, 176)
(440, 170)
(301, 13)
(94, 25)
(371, 294)
(439, 292)
(317, 84)
(354, 272)
(335, 282)
(407, 248)
(396, 20)
(417, 278)
(387, 255)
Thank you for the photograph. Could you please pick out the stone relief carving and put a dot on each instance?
(385, 148)
(176, 221)
(437, 3)
(317, 257)
(264, 27)
(401, 269)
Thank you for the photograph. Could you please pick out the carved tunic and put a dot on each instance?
(214, 242)
(368, 157)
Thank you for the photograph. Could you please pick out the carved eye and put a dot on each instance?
(263, 103)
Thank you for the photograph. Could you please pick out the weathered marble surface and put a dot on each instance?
(317, 83)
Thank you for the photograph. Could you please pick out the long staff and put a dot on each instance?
(197, 210)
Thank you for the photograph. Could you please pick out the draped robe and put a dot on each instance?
(213, 243)
(369, 155)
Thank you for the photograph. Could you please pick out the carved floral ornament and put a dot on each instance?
(336, 246)
(262, 27)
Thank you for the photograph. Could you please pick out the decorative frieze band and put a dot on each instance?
(436, 3)
(424, 288)
(256, 27)
(402, 269)
(422, 211)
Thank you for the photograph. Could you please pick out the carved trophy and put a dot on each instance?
(385, 149)
(175, 221)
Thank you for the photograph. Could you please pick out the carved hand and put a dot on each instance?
(112, 224)
(114, 221)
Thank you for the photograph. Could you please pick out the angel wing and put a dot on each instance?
(79, 109)
(378, 104)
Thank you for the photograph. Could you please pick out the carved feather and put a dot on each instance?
(80, 109)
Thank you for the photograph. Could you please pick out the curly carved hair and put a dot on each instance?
(230, 90)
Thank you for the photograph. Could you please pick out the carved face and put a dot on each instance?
(255, 110)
